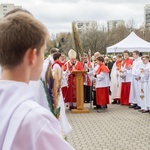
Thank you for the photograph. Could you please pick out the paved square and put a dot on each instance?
(117, 128)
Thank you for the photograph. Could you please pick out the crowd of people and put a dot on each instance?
(123, 77)
(37, 91)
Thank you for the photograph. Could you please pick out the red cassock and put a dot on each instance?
(125, 86)
(71, 90)
(125, 92)
(102, 96)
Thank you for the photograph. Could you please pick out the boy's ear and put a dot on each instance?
(32, 55)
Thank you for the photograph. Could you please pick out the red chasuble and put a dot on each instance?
(125, 86)
(102, 93)
(71, 90)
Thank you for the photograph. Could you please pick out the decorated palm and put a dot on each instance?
(77, 44)
(50, 83)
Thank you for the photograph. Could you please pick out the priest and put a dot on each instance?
(71, 65)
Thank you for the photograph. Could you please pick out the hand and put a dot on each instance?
(121, 71)
(142, 70)
(138, 78)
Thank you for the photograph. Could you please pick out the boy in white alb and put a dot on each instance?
(24, 123)
(102, 83)
(134, 91)
(143, 79)
(116, 80)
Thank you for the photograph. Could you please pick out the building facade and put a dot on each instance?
(111, 24)
(85, 26)
(147, 16)
(5, 8)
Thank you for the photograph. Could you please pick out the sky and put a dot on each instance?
(57, 15)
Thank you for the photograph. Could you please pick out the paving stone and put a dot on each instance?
(119, 128)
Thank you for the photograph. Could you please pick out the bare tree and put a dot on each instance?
(130, 25)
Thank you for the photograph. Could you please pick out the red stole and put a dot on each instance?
(56, 63)
(62, 63)
(102, 68)
(126, 63)
(118, 64)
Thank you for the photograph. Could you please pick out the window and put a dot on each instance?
(87, 23)
(80, 25)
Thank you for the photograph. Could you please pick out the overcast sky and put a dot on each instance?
(57, 15)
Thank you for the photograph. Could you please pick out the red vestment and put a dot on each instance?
(71, 90)
(64, 91)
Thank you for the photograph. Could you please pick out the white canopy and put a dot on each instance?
(131, 42)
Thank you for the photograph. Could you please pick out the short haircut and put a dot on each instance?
(106, 58)
(136, 52)
(19, 32)
(17, 10)
(100, 58)
(126, 51)
(145, 56)
(56, 55)
(53, 50)
(119, 56)
(85, 54)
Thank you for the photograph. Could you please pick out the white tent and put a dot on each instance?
(131, 42)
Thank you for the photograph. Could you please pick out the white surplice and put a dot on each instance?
(143, 85)
(25, 125)
(115, 82)
(135, 89)
(102, 80)
(148, 91)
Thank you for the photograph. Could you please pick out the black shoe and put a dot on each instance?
(105, 107)
(114, 102)
(145, 111)
(71, 107)
(133, 106)
(97, 107)
(137, 107)
(118, 102)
